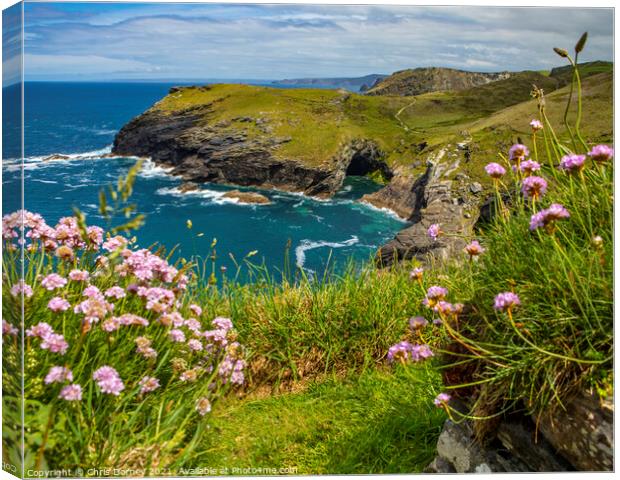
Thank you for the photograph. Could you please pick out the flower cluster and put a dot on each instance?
(534, 187)
(434, 295)
(54, 342)
(518, 152)
(546, 218)
(572, 163)
(495, 170)
(434, 231)
(407, 352)
(506, 301)
(474, 249)
(146, 266)
(527, 167)
(108, 380)
(58, 374)
(601, 153)
(121, 296)
(536, 125)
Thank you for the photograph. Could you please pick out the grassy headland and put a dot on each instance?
(319, 122)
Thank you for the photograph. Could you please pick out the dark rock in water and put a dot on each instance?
(56, 156)
(248, 197)
(189, 187)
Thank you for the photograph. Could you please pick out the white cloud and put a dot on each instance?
(200, 41)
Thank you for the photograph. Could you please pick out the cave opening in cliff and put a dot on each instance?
(364, 163)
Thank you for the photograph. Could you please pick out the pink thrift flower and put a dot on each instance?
(222, 323)
(148, 384)
(79, 275)
(417, 323)
(195, 345)
(527, 167)
(8, 329)
(55, 343)
(194, 325)
(474, 248)
(71, 393)
(203, 406)
(536, 125)
(421, 352)
(114, 243)
(601, 153)
(59, 374)
(108, 380)
(196, 310)
(441, 399)
(58, 304)
(495, 170)
(95, 236)
(177, 335)
(53, 281)
(400, 351)
(547, 217)
(40, 330)
(94, 309)
(92, 292)
(434, 231)
(115, 292)
(572, 163)
(111, 324)
(534, 187)
(506, 301)
(21, 287)
(518, 152)
(416, 274)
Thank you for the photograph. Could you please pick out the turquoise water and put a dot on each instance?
(81, 120)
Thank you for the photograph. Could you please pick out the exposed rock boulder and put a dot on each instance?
(247, 197)
(583, 432)
(403, 195)
(577, 438)
(189, 187)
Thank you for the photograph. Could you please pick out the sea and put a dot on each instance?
(80, 120)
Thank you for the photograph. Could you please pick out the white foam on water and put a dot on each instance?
(151, 170)
(42, 181)
(305, 245)
(41, 161)
(213, 196)
(384, 210)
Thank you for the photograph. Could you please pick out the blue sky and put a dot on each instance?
(108, 41)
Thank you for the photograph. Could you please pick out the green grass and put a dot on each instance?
(378, 422)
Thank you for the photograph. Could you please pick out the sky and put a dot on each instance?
(116, 41)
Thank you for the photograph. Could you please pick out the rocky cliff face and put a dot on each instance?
(199, 151)
(434, 197)
(424, 80)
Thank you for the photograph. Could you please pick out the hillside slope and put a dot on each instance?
(423, 80)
